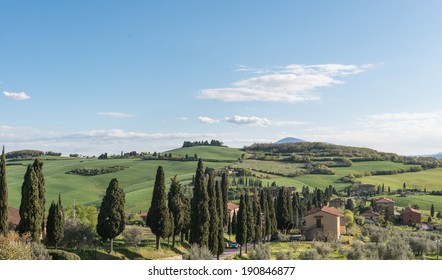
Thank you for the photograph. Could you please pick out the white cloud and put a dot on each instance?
(116, 115)
(16, 95)
(293, 83)
(257, 121)
(208, 120)
(183, 118)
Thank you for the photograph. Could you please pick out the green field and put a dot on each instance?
(430, 179)
(423, 201)
(137, 180)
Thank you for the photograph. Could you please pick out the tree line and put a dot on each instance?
(212, 142)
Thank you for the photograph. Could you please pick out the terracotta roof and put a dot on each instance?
(143, 214)
(384, 200)
(370, 214)
(408, 209)
(232, 206)
(326, 209)
(13, 216)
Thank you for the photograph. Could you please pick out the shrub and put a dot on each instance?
(15, 247)
(322, 248)
(133, 235)
(260, 252)
(284, 255)
(198, 253)
(63, 255)
(39, 252)
(309, 255)
(77, 234)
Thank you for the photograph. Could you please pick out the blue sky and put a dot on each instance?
(105, 76)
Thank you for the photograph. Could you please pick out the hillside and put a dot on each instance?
(209, 153)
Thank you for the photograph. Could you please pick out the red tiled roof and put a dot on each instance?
(143, 214)
(408, 209)
(384, 200)
(370, 214)
(13, 216)
(326, 209)
(232, 206)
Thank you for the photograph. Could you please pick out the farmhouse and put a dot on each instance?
(337, 202)
(411, 216)
(232, 208)
(384, 204)
(370, 217)
(13, 217)
(323, 223)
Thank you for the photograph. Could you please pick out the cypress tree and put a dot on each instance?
(214, 219)
(282, 211)
(257, 215)
(176, 208)
(250, 220)
(186, 219)
(30, 207)
(272, 212)
(432, 211)
(200, 216)
(350, 205)
(241, 225)
(158, 215)
(225, 191)
(234, 222)
(220, 207)
(229, 227)
(38, 168)
(55, 224)
(265, 210)
(111, 218)
(4, 227)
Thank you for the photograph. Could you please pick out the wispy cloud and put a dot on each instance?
(116, 115)
(183, 118)
(293, 83)
(20, 96)
(207, 120)
(257, 121)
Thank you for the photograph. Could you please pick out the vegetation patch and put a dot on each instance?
(97, 170)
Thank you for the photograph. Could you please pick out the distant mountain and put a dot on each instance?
(289, 140)
(438, 155)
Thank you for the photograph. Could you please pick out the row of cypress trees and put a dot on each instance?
(203, 219)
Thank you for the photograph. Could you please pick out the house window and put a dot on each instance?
(318, 223)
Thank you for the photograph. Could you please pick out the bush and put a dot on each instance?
(63, 255)
(260, 252)
(77, 234)
(322, 248)
(309, 255)
(198, 253)
(132, 235)
(284, 255)
(39, 252)
(15, 247)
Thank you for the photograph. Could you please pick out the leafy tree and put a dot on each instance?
(78, 234)
(176, 208)
(158, 217)
(4, 228)
(200, 216)
(111, 218)
(55, 224)
(30, 207)
(350, 205)
(241, 226)
(133, 235)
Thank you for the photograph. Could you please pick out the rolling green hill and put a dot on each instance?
(209, 153)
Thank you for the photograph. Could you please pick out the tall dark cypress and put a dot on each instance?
(214, 218)
(265, 209)
(111, 218)
(272, 212)
(220, 208)
(234, 222)
(3, 196)
(38, 168)
(250, 220)
(241, 225)
(176, 208)
(257, 221)
(30, 211)
(55, 224)
(225, 191)
(158, 215)
(200, 216)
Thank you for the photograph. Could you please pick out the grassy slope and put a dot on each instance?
(137, 180)
(430, 179)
